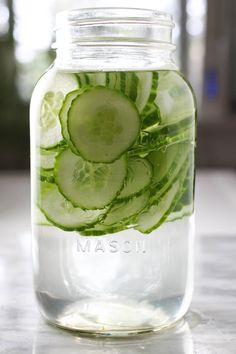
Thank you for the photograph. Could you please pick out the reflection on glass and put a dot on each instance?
(177, 340)
(4, 18)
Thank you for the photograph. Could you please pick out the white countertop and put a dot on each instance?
(209, 327)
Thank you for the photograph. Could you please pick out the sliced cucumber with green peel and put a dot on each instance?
(164, 135)
(111, 80)
(174, 98)
(62, 213)
(154, 216)
(131, 86)
(89, 185)
(46, 175)
(115, 150)
(40, 219)
(83, 80)
(151, 117)
(185, 210)
(121, 82)
(146, 90)
(157, 213)
(50, 129)
(162, 160)
(47, 159)
(97, 79)
(139, 176)
(99, 230)
(161, 185)
(103, 124)
(126, 210)
(63, 115)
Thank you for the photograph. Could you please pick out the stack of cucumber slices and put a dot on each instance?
(113, 155)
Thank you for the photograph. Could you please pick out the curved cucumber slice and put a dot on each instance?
(83, 80)
(89, 185)
(97, 79)
(174, 98)
(131, 86)
(146, 90)
(186, 210)
(124, 211)
(47, 159)
(152, 116)
(164, 183)
(63, 115)
(46, 175)
(139, 176)
(103, 124)
(39, 218)
(162, 160)
(157, 213)
(62, 213)
(111, 80)
(50, 129)
(166, 135)
(99, 230)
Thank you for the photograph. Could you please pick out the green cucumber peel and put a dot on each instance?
(100, 230)
(161, 136)
(123, 212)
(89, 185)
(99, 131)
(60, 212)
(158, 211)
(138, 179)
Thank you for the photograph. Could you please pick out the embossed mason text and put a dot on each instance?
(113, 246)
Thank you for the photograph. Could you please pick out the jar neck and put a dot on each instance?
(114, 39)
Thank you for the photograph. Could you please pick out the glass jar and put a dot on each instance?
(112, 167)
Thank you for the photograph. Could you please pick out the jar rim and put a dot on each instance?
(82, 16)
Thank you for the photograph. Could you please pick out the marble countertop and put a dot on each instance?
(209, 327)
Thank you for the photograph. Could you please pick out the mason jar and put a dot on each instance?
(112, 170)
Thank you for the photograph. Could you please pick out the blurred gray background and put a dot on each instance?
(205, 35)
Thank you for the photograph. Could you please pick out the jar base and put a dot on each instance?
(96, 318)
(117, 333)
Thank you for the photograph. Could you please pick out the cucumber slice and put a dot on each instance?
(164, 202)
(151, 117)
(125, 82)
(99, 230)
(163, 182)
(63, 115)
(111, 79)
(164, 135)
(186, 210)
(103, 124)
(162, 160)
(39, 218)
(49, 124)
(131, 85)
(89, 185)
(124, 211)
(62, 213)
(175, 97)
(120, 82)
(83, 80)
(97, 79)
(146, 90)
(46, 175)
(139, 177)
(185, 205)
(47, 159)
(157, 213)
